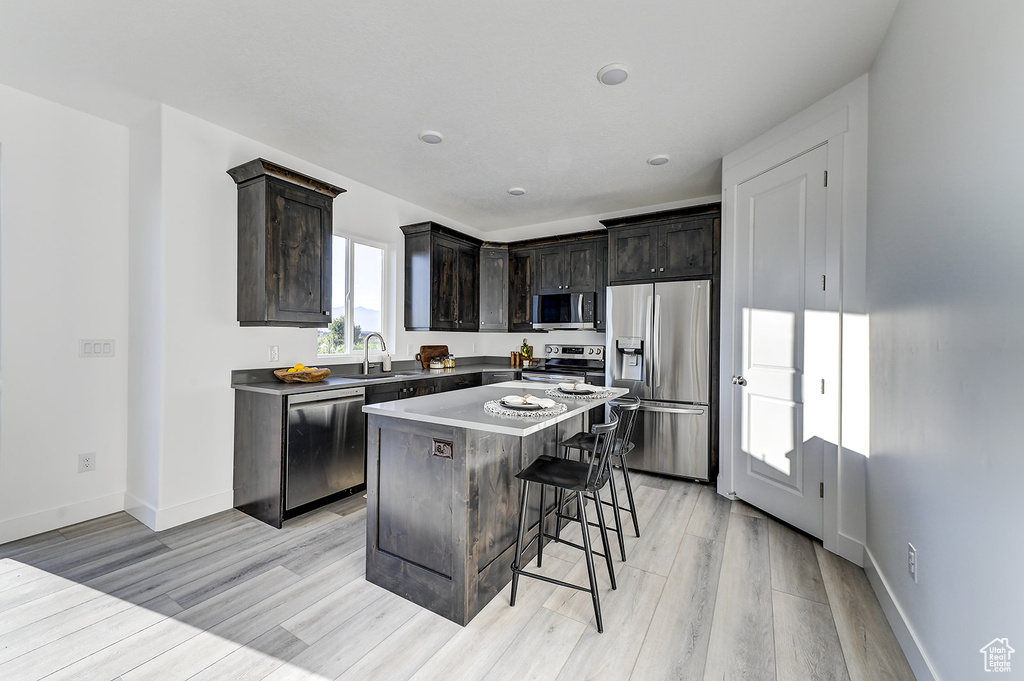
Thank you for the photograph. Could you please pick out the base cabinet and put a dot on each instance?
(442, 510)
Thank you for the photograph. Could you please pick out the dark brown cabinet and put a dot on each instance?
(494, 280)
(521, 274)
(442, 270)
(284, 246)
(567, 268)
(671, 245)
(602, 285)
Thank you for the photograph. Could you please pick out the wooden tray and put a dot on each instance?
(429, 352)
(302, 376)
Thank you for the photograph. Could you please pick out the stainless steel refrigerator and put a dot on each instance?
(658, 346)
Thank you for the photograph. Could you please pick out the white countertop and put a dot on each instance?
(465, 408)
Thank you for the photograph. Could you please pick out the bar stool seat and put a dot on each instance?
(578, 478)
(625, 409)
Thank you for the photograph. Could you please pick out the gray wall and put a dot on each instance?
(945, 295)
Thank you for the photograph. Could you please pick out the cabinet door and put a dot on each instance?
(298, 255)
(602, 284)
(494, 280)
(631, 254)
(445, 257)
(684, 248)
(580, 263)
(521, 271)
(551, 276)
(467, 288)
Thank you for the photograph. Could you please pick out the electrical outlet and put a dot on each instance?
(273, 354)
(912, 561)
(87, 462)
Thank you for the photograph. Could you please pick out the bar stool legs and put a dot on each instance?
(589, 553)
(524, 497)
(629, 494)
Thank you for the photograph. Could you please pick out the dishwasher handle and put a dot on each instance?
(327, 396)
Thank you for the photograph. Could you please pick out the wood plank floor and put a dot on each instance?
(713, 589)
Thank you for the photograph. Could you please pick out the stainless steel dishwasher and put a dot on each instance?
(325, 446)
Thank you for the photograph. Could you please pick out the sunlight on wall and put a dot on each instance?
(856, 384)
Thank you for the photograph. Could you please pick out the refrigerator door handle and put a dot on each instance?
(668, 409)
(649, 350)
(656, 362)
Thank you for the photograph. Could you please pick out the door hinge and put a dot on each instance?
(821, 490)
(823, 386)
(823, 282)
(826, 178)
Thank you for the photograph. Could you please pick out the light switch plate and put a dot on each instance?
(95, 347)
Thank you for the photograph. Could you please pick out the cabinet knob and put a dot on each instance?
(652, 269)
(661, 269)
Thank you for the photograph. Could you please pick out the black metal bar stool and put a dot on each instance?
(625, 409)
(578, 477)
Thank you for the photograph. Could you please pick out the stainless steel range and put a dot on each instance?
(569, 363)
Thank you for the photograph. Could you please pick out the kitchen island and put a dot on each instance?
(442, 496)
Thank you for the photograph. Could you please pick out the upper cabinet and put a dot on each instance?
(284, 246)
(567, 268)
(494, 280)
(675, 244)
(522, 273)
(602, 284)
(442, 271)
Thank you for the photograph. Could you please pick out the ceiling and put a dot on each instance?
(512, 86)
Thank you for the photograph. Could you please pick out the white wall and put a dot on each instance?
(945, 280)
(63, 276)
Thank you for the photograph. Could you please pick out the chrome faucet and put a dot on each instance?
(366, 349)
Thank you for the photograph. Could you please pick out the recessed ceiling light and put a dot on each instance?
(659, 160)
(613, 74)
(431, 137)
(516, 191)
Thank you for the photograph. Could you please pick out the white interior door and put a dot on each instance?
(786, 341)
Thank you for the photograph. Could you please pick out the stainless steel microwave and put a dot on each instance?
(564, 310)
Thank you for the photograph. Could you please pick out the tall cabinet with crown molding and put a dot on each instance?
(284, 246)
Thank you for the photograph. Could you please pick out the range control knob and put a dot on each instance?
(590, 351)
(599, 350)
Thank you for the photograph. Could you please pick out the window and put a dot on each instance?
(357, 296)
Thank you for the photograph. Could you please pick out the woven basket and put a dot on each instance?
(302, 376)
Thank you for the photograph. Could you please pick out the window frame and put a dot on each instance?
(349, 306)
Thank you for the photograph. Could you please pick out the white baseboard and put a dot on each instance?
(166, 518)
(62, 516)
(919, 662)
(850, 549)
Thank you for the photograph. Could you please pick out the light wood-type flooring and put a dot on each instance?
(712, 589)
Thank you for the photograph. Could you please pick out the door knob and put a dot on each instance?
(739, 380)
